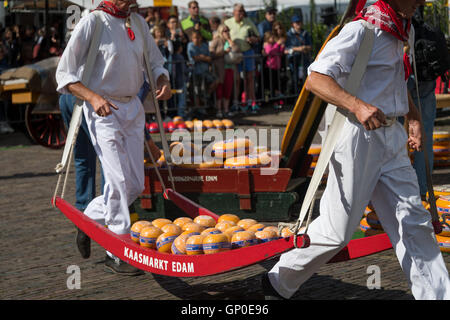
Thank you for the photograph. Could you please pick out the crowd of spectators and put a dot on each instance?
(219, 63)
(226, 63)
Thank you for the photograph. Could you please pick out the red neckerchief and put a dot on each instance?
(111, 9)
(384, 17)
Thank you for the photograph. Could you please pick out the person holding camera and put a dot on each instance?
(195, 22)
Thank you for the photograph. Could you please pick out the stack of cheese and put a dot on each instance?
(370, 224)
(199, 125)
(202, 235)
(443, 208)
(314, 152)
(441, 148)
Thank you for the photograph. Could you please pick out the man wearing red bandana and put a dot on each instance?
(113, 112)
(370, 161)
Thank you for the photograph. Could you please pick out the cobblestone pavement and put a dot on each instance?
(38, 247)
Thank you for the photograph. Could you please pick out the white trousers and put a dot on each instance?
(370, 165)
(118, 140)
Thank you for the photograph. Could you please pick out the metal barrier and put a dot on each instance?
(193, 97)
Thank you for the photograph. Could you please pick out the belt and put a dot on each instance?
(124, 99)
(389, 120)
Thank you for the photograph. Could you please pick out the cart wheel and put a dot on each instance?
(46, 129)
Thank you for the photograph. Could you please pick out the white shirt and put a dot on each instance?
(119, 65)
(383, 85)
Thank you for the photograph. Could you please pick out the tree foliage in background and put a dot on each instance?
(436, 14)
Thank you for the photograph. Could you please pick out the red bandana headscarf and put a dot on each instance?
(110, 8)
(384, 17)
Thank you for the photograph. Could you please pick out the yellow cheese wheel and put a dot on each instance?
(224, 225)
(215, 243)
(228, 217)
(231, 230)
(232, 147)
(179, 245)
(443, 204)
(197, 162)
(315, 149)
(243, 239)
(246, 223)
(192, 226)
(171, 227)
(136, 229)
(256, 227)
(266, 235)
(363, 225)
(441, 137)
(208, 124)
(441, 150)
(373, 221)
(164, 242)
(182, 221)
(443, 190)
(148, 236)
(210, 231)
(444, 243)
(445, 229)
(218, 124)
(286, 232)
(272, 228)
(160, 222)
(250, 161)
(205, 221)
(177, 120)
(189, 125)
(194, 245)
(228, 123)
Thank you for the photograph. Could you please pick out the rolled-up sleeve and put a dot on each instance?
(337, 58)
(72, 62)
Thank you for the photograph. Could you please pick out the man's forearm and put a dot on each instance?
(329, 90)
(413, 113)
(80, 91)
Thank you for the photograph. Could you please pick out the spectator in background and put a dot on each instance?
(165, 45)
(41, 47)
(12, 47)
(26, 55)
(266, 25)
(230, 69)
(298, 49)
(214, 23)
(153, 18)
(174, 32)
(55, 43)
(199, 57)
(195, 22)
(216, 49)
(244, 33)
(178, 75)
(273, 50)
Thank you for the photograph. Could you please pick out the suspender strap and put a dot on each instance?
(334, 132)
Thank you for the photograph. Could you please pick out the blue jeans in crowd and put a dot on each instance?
(428, 106)
(85, 157)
